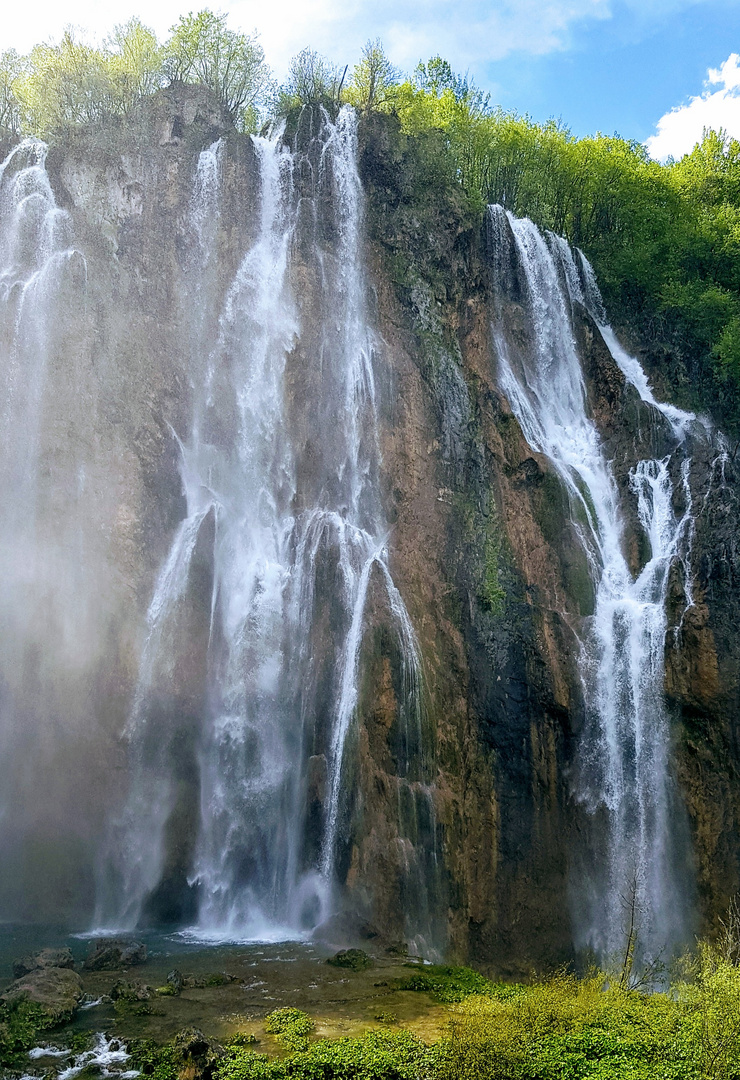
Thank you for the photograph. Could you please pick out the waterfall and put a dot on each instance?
(43, 595)
(624, 777)
(280, 472)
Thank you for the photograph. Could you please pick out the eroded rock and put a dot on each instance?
(200, 1055)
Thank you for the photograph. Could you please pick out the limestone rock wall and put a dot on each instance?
(482, 550)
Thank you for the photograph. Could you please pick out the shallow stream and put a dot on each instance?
(264, 977)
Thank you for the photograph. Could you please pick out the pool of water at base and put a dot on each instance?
(263, 977)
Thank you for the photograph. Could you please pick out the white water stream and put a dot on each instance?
(289, 481)
(625, 777)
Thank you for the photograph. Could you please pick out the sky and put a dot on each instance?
(656, 71)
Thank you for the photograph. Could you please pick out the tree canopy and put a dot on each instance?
(665, 239)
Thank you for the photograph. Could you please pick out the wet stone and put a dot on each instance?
(47, 958)
(58, 992)
(107, 954)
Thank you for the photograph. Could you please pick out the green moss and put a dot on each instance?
(354, 959)
(492, 592)
(153, 1060)
(551, 508)
(21, 1025)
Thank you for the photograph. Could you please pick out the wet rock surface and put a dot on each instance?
(108, 954)
(47, 958)
(57, 991)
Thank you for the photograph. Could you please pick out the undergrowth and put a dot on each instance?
(560, 1028)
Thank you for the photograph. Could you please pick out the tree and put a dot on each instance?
(374, 80)
(312, 80)
(134, 62)
(12, 69)
(65, 84)
(203, 50)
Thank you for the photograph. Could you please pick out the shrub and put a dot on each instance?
(291, 1026)
(451, 984)
(379, 1055)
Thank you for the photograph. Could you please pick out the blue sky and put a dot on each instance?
(608, 65)
(623, 73)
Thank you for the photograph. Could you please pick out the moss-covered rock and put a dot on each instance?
(354, 959)
(56, 992)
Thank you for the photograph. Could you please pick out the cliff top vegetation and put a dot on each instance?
(664, 239)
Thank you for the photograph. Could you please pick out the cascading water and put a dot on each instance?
(42, 278)
(625, 775)
(280, 473)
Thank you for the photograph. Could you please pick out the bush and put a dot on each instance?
(564, 1029)
(452, 984)
(379, 1055)
(291, 1026)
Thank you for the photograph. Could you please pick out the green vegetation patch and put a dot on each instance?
(154, 1061)
(354, 959)
(21, 1027)
(453, 984)
(379, 1055)
(291, 1026)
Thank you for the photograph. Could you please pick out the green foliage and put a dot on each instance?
(664, 239)
(374, 81)
(452, 984)
(379, 1055)
(59, 86)
(291, 1026)
(12, 69)
(154, 1061)
(243, 1038)
(566, 1029)
(354, 959)
(20, 1028)
(203, 50)
(134, 62)
(493, 592)
(66, 84)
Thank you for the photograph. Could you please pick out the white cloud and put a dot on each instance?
(681, 128)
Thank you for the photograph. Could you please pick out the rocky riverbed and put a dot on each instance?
(99, 996)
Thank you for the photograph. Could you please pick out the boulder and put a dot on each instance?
(108, 954)
(57, 991)
(122, 990)
(198, 1054)
(47, 958)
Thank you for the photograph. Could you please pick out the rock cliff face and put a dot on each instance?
(482, 547)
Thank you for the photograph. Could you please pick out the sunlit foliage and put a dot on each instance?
(203, 50)
(664, 239)
(374, 82)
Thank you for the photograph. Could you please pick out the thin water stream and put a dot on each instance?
(625, 777)
(283, 492)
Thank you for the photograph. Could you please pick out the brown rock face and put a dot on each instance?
(459, 823)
